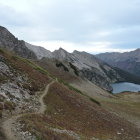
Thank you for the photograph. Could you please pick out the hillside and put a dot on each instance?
(68, 109)
(74, 117)
(77, 64)
(128, 61)
(54, 98)
(19, 80)
(89, 67)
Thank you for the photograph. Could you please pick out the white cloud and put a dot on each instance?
(91, 47)
(104, 33)
(75, 23)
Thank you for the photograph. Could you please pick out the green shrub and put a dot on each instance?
(2, 98)
(43, 71)
(38, 138)
(14, 57)
(9, 105)
(33, 65)
(62, 65)
(1, 106)
(95, 101)
(0, 113)
(1, 51)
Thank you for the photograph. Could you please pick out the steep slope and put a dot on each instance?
(10, 42)
(71, 116)
(87, 66)
(70, 113)
(20, 79)
(39, 51)
(128, 61)
(80, 64)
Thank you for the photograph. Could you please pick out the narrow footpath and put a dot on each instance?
(7, 125)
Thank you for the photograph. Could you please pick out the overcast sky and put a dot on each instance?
(85, 25)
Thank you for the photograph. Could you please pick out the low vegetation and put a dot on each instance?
(60, 64)
(74, 112)
(77, 90)
(68, 115)
(8, 105)
(1, 51)
(42, 127)
(37, 76)
(74, 69)
(33, 65)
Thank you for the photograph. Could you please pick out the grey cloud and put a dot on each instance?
(11, 17)
(77, 21)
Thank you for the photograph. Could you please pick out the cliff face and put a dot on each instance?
(10, 42)
(88, 66)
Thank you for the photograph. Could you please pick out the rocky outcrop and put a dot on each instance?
(12, 83)
(10, 42)
(88, 66)
(40, 52)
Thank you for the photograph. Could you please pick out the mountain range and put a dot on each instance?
(128, 61)
(82, 64)
(59, 95)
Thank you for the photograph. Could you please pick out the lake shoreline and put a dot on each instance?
(125, 87)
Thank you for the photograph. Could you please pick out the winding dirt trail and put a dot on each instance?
(43, 106)
(7, 128)
(7, 125)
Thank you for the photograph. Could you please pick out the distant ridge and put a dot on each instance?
(128, 61)
(82, 64)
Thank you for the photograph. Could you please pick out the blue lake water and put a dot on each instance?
(125, 86)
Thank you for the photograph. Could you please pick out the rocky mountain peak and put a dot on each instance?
(2, 28)
(61, 49)
(10, 42)
(61, 54)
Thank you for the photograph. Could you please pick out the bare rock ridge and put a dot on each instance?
(90, 67)
(10, 42)
(83, 64)
(39, 51)
(128, 61)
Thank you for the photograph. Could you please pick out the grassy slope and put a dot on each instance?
(58, 72)
(126, 105)
(68, 110)
(38, 77)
